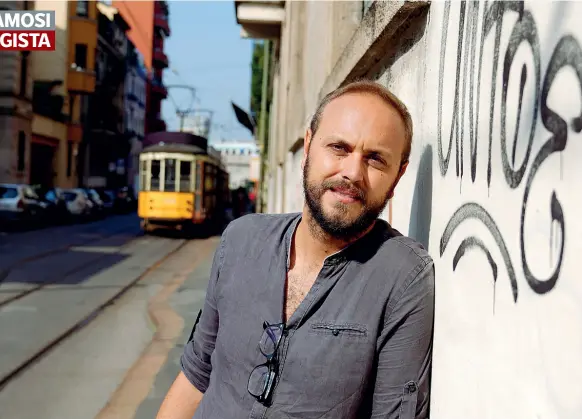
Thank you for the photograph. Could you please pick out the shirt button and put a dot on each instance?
(335, 332)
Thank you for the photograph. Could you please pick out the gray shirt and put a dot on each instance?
(358, 346)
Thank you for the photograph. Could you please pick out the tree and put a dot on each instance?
(256, 79)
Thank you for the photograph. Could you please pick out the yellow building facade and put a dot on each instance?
(82, 44)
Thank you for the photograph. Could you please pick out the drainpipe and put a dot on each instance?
(263, 126)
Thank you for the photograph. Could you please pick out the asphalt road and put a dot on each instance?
(94, 318)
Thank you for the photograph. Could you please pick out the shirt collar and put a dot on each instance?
(367, 243)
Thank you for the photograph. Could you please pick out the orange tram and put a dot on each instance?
(183, 183)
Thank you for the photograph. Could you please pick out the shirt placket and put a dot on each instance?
(326, 279)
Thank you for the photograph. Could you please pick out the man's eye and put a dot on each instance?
(377, 161)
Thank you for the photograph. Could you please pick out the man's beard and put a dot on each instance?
(335, 226)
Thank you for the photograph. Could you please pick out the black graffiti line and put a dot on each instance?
(524, 30)
(444, 161)
(467, 43)
(474, 242)
(473, 126)
(475, 211)
(494, 17)
(566, 53)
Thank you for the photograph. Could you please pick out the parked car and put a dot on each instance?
(20, 206)
(98, 206)
(56, 211)
(108, 199)
(124, 201)
(78, 204)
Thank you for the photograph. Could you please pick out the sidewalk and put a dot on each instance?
(185, 301)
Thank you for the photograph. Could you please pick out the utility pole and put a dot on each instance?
(204, 130)
(182, 113)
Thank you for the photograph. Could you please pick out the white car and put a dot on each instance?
(78, 204)
(20, 204)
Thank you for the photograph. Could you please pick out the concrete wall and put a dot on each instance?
(493, 185)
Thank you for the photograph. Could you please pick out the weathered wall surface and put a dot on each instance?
(495, 91)
(493, 190)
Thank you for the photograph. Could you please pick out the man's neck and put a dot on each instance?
(313, 244)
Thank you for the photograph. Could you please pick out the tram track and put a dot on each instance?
(4, 273)
(82, 322)
(67, 273)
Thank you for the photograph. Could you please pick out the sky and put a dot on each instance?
(205, 51)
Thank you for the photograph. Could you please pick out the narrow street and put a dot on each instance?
(94, 318)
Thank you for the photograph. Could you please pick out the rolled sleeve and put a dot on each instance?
(196, 357)
(401, 389)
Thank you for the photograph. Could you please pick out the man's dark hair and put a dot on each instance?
(372, 87)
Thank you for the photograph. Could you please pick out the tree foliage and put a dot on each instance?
(257, 79)
(257, 66)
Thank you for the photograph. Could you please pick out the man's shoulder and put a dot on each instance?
(403, 250)
(259, 227)
(407, 262)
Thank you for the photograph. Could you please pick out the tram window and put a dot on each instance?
(155, 177)
(185, 171)
(170, 176)
(143, 179)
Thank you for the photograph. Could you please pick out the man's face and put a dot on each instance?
(353, 163)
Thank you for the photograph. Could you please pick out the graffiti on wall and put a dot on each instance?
(476, 82)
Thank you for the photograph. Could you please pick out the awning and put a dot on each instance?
(244, 118)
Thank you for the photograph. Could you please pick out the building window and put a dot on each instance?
(366, 5)
(21, 150)
(81, 55)
(69, 158)
(23, 72)
(83, 8)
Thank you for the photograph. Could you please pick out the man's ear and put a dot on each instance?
(306, 144)
(401, 172)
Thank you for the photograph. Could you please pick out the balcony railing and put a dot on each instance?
(158, 87)
(161, 21)
(160, 58)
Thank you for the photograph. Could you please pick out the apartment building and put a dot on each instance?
(52, 155)
(149, 27)
(82, 44)
(15, 108)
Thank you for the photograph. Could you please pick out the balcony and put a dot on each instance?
(260, 19)
(157, 87)
(162, 7)
(81, 80)
(160, 59)
(46, 103)
(161, 22)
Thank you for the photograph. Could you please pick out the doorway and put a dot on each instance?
(42, 157)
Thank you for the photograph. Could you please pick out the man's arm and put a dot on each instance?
(401, 389)
(187, 391)
(181, 401)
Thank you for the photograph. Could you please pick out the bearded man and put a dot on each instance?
(327, 313)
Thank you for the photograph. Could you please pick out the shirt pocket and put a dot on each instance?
(408, 401)
(347, 330)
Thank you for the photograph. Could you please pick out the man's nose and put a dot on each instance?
(353, 168)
